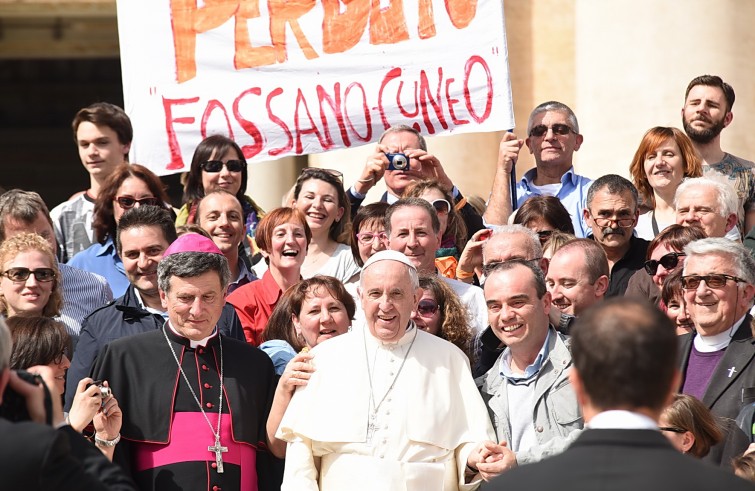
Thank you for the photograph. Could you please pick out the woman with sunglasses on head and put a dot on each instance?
(543, 215)
(319, 194)
(30, 283)
(283, 236)
(129, 186)
(219, 163)
(41, 346)
(440, 312)
(664, 255)
(664, 158)
(453, 230)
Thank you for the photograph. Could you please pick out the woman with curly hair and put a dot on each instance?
(440, 312)
(663, 160)
(30, 282)
(453, 230)
(129, 186)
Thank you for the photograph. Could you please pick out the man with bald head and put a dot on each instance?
(375, 433)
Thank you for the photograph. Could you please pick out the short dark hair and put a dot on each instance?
(713, 81)
(412, 203)
(105, 114)
(23, 206)
(614, 184)
(37, 340)
(625, 353)
(546, 208)
(146, 216)
(672, 286)
(190, 265)
(537, 273)
(368, 213)
(219, 145)
(340, 229)
(675, 237)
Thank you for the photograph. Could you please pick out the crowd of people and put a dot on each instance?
(553, 335)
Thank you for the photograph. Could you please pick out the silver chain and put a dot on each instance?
(215, 433)
(398, 372)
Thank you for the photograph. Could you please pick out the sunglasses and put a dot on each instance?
(712, 280)
(427, 307)
(668, 261)
(216, 165)
(313, 170)
(367, 237)
(22, 274)
(672, 429)
(558, 129)
(442, 206)
(544, 235)
(127, 202)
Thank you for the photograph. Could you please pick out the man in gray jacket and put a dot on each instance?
(530, 400)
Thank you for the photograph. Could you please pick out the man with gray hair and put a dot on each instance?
(364, 426)
(612, 210)
(717, 360)
(552, 138)
(708, 204)
(195, 402)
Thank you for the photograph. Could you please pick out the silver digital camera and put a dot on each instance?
(397, 161)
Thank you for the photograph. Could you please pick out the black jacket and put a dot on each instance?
(123, 317)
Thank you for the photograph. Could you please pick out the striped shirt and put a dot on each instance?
(83, 293)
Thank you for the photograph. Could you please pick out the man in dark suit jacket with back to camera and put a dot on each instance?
(624, 373)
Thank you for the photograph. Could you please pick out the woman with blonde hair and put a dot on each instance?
(30, 282)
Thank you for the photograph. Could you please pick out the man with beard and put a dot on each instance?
(707, 110)
(612, 212)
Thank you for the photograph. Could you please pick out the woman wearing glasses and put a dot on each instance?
(440, 312)
(664, 158)
(129, 186)
(319, 194)
(690, 426)
(219, 163)
(41, 346)
(453, 230)
(368, 228)
(30, 283)
(665, 255)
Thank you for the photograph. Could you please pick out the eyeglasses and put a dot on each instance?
(442, 206)
(558, 129)
(544, 235)
(712, 280)
(673, 429)
(427, 307)
(43, 275)
(313, 170)
(59, 359)
(605, 222)
(127, 202)
(367, 237)
(668, 261)
(216, 165)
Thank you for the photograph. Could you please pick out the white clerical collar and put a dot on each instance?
(405, 339)
(717, 342)
(621, 420)
(194, 344)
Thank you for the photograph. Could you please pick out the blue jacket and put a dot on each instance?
(124, 317)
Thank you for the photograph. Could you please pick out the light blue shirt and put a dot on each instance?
(103, 260)
(573, 195)
(280, 352)
(530, 371)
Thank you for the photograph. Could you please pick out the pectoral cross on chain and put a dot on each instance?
(371, 427)
(218, 454)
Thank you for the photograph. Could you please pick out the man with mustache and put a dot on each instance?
(612, 212)
(706, 112)
(143, 235)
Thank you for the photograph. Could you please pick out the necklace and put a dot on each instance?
(371, 424)
(217, 448)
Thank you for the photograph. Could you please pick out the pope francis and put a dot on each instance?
(388, 407)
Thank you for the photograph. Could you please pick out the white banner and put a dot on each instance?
(293, 77)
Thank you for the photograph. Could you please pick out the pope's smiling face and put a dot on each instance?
(388, 299)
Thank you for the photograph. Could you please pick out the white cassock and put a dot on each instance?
(424, 428)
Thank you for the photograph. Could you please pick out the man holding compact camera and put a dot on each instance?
(401, 158)
(37, 456)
